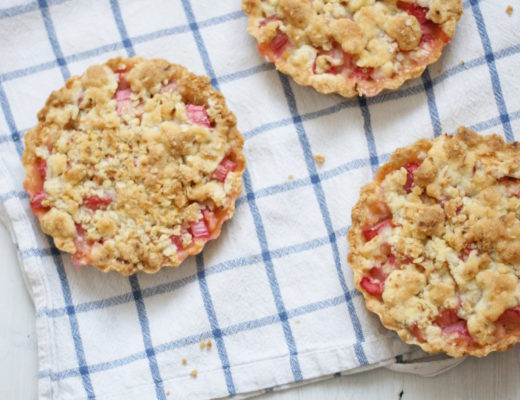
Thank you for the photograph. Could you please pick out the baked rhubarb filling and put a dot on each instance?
(134, 165)
(352, 47)
(435, 244)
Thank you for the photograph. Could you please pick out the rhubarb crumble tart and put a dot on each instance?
(435, 244)
(352, 47)
(134, 165)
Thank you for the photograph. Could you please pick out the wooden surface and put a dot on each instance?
(494, 377)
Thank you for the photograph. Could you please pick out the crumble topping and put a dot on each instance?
(134, 165)
(435, 244)
(352, 47)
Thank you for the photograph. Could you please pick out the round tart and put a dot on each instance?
(435, 244)
(352, 47)
(134, 165)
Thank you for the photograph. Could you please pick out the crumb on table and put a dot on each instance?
(167, 393)
(319, 158)
(193, 373)
(184, 361)
(208, 345)
(290, 177)
(509, 9)
(462, 62)
(202, 344)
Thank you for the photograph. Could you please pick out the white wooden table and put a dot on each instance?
(494, 377)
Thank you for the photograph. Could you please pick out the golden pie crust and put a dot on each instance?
(134, 165)
(435, 244)
(352, 47)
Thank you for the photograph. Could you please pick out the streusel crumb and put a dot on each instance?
(319, 158)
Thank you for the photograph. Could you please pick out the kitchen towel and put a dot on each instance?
(274, 294)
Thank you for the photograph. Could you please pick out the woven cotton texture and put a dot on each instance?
(274, 293)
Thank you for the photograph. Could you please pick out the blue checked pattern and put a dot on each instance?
(284, 287)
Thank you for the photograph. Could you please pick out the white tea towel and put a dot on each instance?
(274, 293)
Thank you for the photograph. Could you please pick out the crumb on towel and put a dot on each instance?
(319, 158)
